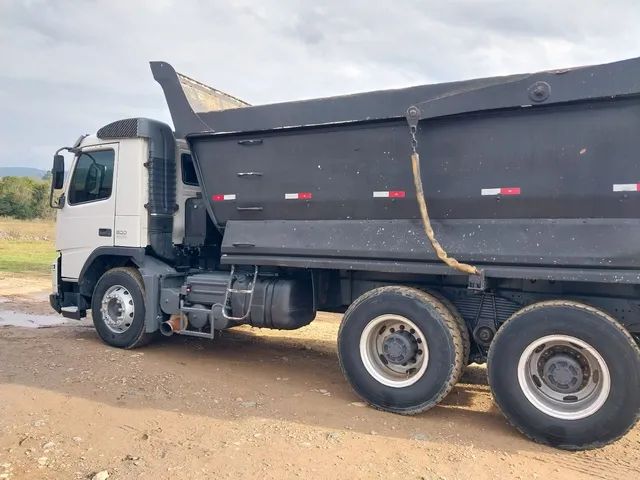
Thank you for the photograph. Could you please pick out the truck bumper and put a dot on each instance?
(67, 311)
(67, 303)
(54, 301)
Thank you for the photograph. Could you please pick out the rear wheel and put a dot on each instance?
(400, 349)
(118, 309)
(462, 325)
(566, 374)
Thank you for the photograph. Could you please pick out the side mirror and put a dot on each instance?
(57, 172)
(57, 180)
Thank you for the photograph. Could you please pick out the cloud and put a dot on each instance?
(70, 67)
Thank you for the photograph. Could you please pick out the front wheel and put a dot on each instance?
(566, 374)
(118, 308)
(400, 349)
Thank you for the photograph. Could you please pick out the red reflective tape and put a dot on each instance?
(510, 191)
(217, 198)
(397, 194)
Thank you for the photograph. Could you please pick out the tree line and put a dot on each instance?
(24, 197)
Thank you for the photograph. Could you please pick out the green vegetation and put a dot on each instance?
(26, 246)
(23, 197)
(26, 226)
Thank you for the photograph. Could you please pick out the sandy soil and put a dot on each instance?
(251, 404)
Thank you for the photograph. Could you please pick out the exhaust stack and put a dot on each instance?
(171, 326)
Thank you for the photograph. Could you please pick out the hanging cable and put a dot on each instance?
(424, 212)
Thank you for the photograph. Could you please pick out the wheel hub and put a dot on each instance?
(563, 373)
(564, 376)
(394, 350)
(117, 309)
(400, 347)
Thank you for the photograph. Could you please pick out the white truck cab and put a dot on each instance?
(103, 203)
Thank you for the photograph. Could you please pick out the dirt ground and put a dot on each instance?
(251, 404)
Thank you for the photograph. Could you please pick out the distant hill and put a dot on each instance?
(22, 172)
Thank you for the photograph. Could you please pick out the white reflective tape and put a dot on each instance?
(490, 191)
(625, 187)
(230, 196)
(291, 196)
(380, 194)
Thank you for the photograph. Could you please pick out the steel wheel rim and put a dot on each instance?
(379, 333)
(564, 377)
(117, 309)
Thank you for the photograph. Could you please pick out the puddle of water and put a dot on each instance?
(19, 319)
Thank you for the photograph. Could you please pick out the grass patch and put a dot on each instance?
(26, 246)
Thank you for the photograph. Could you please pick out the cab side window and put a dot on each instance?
(92, 178)
(188, 170)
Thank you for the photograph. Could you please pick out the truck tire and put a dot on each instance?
(118, 308)
(462, 325)
(387, 339)
(566, 374)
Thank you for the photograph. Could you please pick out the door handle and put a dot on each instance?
(250, 142)
(249, 209)
(104, 232)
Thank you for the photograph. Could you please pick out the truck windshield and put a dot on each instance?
(92, 177)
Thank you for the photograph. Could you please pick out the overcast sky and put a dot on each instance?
(68, 67)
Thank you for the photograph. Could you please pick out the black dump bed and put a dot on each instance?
(537, 171)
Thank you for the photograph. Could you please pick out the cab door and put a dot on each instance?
(86, 221)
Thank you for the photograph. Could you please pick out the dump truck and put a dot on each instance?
(493, 220)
